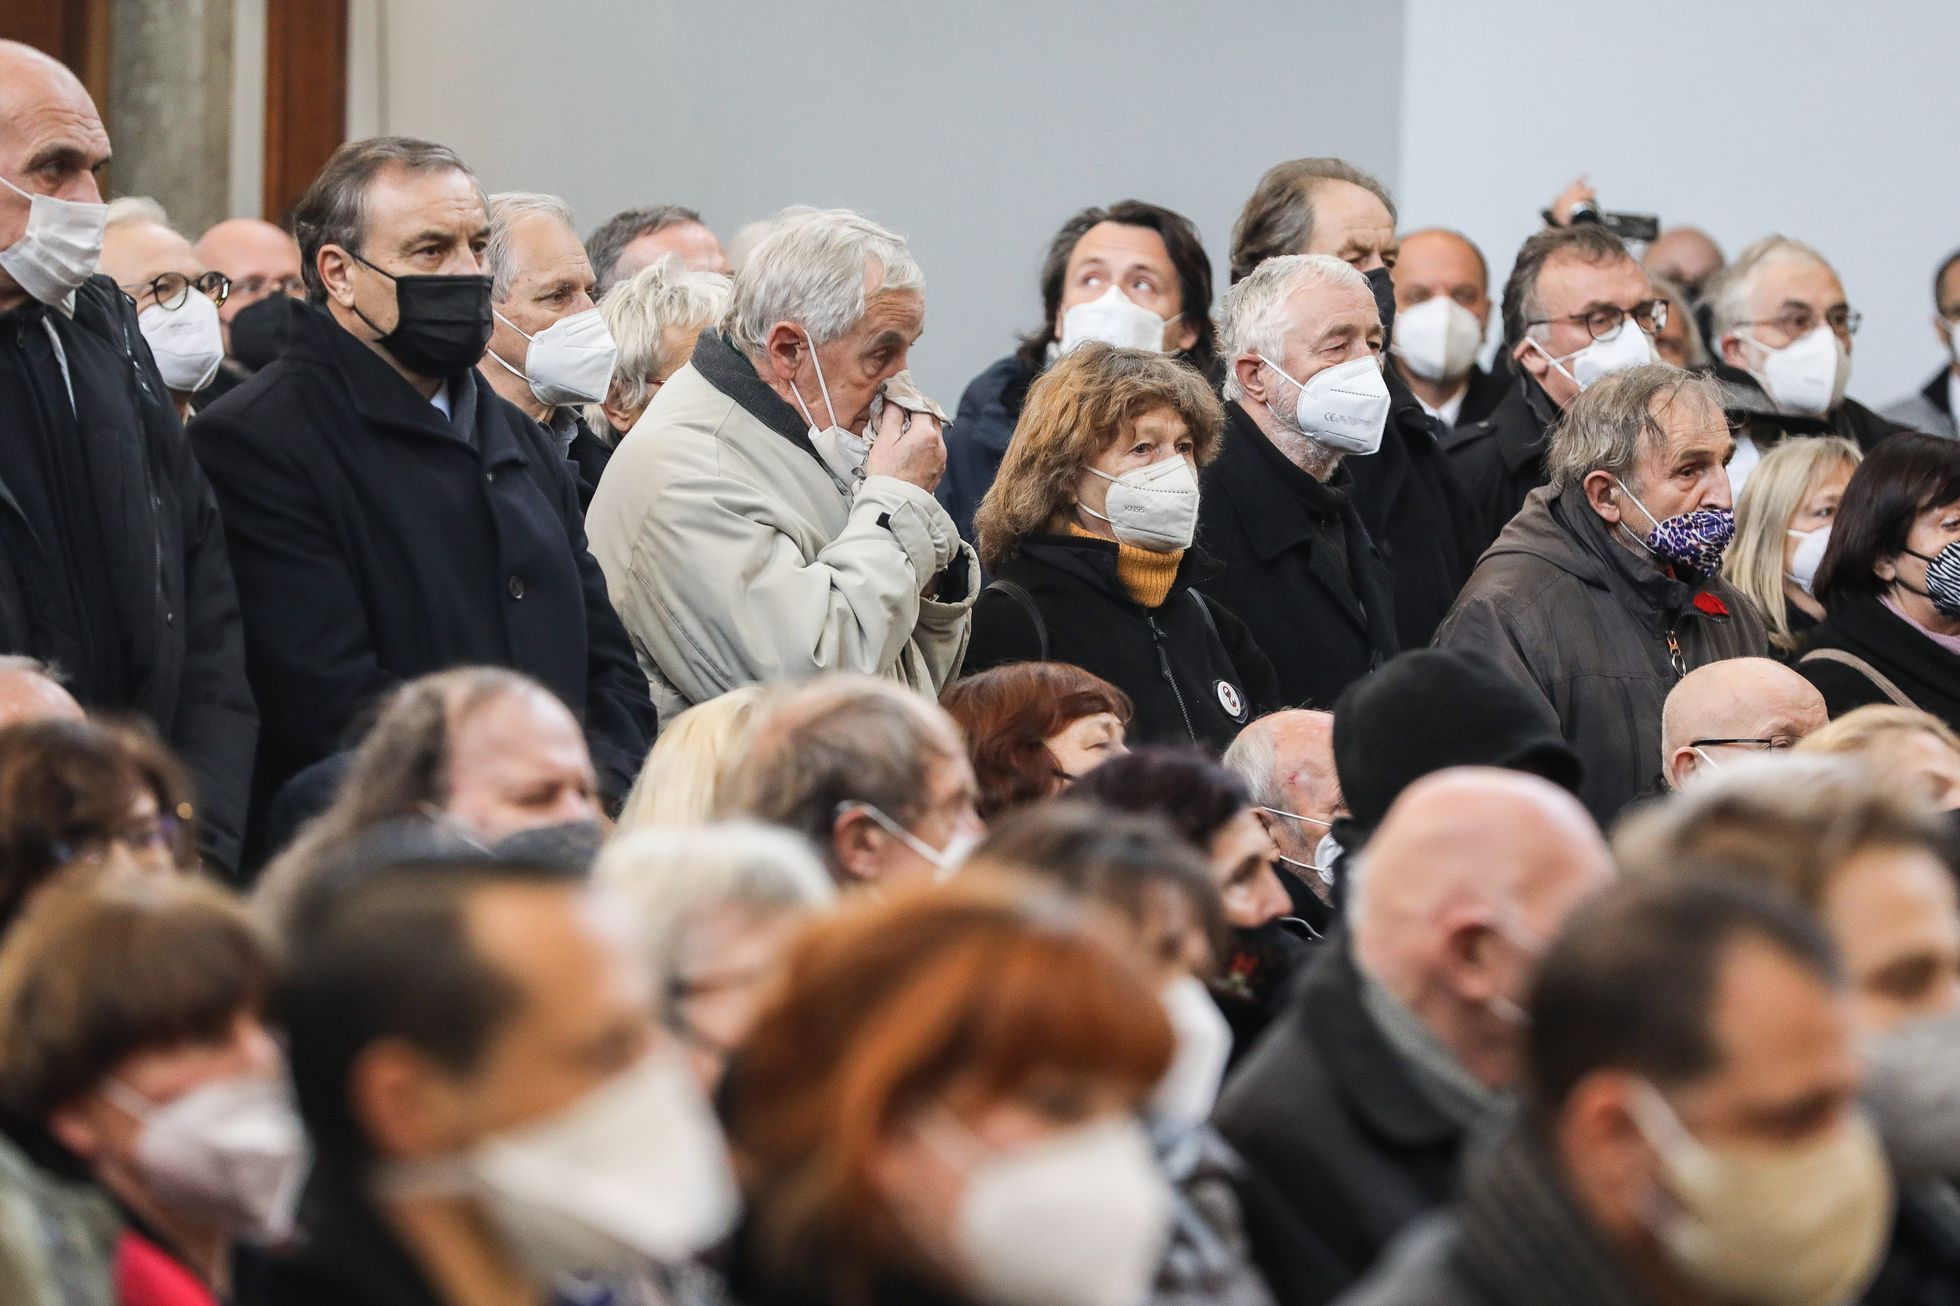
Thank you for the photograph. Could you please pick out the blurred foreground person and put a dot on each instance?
(685, 779)
(1911, 752)
(1723, 712)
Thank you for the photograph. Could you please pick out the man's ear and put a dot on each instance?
(1681, 764)
(403, 1103)
(73, 1127)
(1466, 955)
(336, 268)
(857, 845)
(1733, 352)
(784, 348)
(1603, 495)
(620, 417)
(1532, 360)
(1254, 378)
(1180, 335)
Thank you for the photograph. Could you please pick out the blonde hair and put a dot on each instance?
(1090, 399)
(683, 778)
(1861, 730)
(1776, 489)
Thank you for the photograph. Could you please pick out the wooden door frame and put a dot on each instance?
(305, 96)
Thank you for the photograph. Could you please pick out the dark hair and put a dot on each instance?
(386, 954)
(1900, 478)
(1278, 219)
(1182, 785)
(98, 971)
(1587, 241)
(1117, 860)
(63, 783)
(1630, 981)
(610, 238)
(333, 211)
(1188, 259)
(1939, 279)
(1007, 713)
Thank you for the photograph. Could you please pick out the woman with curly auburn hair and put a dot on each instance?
(1088, 530)
(940, 1105)
(1033, 727)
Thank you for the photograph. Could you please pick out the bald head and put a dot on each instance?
(29, 693)
(260, 259)
(1684, 254)
(51, 143)
(1472, 872)
(138, 250)
(1741, 698)
(1287, 762)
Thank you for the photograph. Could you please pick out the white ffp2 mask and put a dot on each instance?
(1189, 1089)
(569, 362)
(1627, 347)
(1806, 376)
(188, 341)
(1437, 339)
(1114, 320)
(229, 1155)
(1810, 552)
(60, 248)
(1154, 507)
(1344, 407)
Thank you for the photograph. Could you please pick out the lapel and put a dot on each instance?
(378, 393)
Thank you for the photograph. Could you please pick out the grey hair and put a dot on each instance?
(20, 664)
(1605, 428)
(752, 234)
(1252, 316)
(610, 238)
(137, 208)
(507, 210)
(817, 271)
(669, 878)
(333, 211)
(1728, 297)
(1279, 217)
(1254, 758)
(639, 312)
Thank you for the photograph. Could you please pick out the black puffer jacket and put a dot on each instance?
(1189, 665)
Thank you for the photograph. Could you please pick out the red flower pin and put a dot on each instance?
(1714, 607)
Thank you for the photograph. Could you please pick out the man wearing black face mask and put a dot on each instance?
(389, 515)
(1405, 491)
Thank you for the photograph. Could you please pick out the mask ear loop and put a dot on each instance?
(821, 387)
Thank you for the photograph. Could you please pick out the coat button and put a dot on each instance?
(169, 618)
(517, 587)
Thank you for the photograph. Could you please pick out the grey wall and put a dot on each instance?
(973, 129)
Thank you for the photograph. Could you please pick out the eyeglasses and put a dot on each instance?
(259, 287)
(172, 288)
(156, 834)
(1604, 322)
(1794, 322)
(1774, 744)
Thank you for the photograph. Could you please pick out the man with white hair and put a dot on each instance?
(1408, 1033)
(772, 518)
(178, 299)
(1781, 336)
(30, 691)
(1730, 710)
(655, 317)
(1301, 343)
(1287, 762)
(549, 349)
(1606, 588)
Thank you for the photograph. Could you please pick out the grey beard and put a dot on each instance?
(1299, 448)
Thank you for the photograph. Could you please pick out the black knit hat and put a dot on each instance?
(1432, 709)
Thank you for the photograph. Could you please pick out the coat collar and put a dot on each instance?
(729, 370)
(1523, 1238)
(1094, 562)
(479, 418)
(1378, 1087)
(1868, 626)
(1523, 423)
(1939, 391)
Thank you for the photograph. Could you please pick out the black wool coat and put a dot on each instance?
(1344, 1148)
(1278, 536)
(1194, 672)
(169, 584)
(1500, 459)
(1866, 629)
(1416, 514)
(375, 540)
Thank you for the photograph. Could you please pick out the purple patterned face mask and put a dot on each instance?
(1695, 540)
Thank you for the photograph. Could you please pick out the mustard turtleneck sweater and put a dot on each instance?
(1146, 576)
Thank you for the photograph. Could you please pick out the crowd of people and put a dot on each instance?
(546, 771)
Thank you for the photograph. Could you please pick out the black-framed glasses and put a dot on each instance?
(1774, 744)
(172, 288)
(1604, 322)
(1801, 321)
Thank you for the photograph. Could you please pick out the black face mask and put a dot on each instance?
(1384, 289)
(260, 333)
(442, 323)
